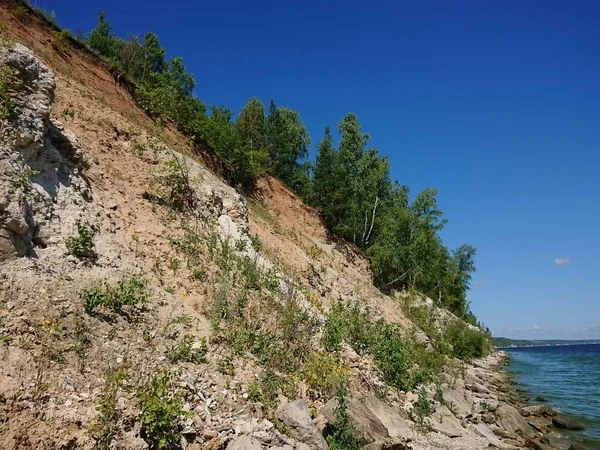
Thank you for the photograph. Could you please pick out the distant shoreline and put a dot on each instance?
(506, 343)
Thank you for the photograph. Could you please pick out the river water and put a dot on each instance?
(568, 376)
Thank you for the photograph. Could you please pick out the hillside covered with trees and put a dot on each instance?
(349, 181)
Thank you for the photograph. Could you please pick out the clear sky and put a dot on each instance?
(496, 104)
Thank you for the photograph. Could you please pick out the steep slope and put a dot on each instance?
(295, 236)
(126, 263)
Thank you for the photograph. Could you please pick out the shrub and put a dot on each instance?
(256, 242)
(271, 384)
(250, 272)
(174, 188)
(106, 426)
(240, 245)
(160, 413)
(335, 327)
(81, 244)
(465, 342)
(67, 113)
(323, 372)
(422, 409)
(340, 435)
(184, 351)
(128, 292)
(138, 148)
(403, 362)
(7, 80)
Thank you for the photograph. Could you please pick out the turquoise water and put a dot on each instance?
(568, 376)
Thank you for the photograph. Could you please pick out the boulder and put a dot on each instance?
(537, 410)
(244, 442)
(34, 98)
(460, 399)
(386, 444)
(485, 432)
(503, 433)
(536, 445)
(576, 447)
(565, 423)
(443, 421)
(508, 418)
(367, 427)
(396, 425)
(296, 417)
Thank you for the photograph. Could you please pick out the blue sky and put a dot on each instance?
(496, 104)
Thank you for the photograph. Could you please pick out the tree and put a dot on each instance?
(426, 250)
(351, 183)
(101, 38)
(458, 280)
(390, 251)
(288, 143)
(324, 183)
(362, 179)
(250, 156)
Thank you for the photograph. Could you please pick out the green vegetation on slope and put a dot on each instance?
(351, 184)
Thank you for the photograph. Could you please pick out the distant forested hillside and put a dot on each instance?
(502, 342)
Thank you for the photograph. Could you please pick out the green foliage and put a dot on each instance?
(106, 425)
(173, 186)
(402, 361)
(485, 406)
(350, 184)
(184, 351)
(138, 148)
(340, 435)
(456, 338)
(271, 384)
(20, 180)
(422, 409)
(220, 305)
(101, 38)
(127, 292)
(323, 372)
(250, 157)
(82, 244)
(83, 341)
(161, 410)
(256, 242)
(288, 143)
(7, 82)
(240, 245)
(67, 113)
(334, 332)
(465, 342)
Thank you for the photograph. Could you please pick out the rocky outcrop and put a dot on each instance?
(443, 421)
(44, 192)
(397, 426)
(38, 161)
(485, 431)
(564, 423)
(296, 417)
(244, 443)
(509, 419)
(387, 444)
(366, 425)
